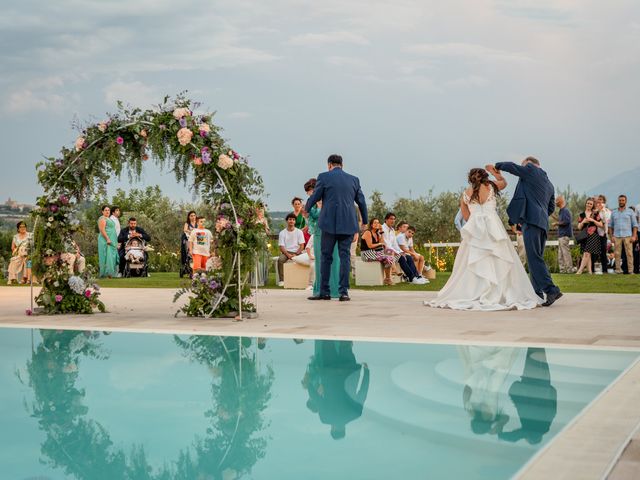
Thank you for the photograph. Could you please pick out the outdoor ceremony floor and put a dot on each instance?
(604, 321)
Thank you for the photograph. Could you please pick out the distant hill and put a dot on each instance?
(626, 182)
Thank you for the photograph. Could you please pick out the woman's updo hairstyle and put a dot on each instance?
(310, 184)
(477, 178)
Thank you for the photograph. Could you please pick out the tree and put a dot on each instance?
(378, 208)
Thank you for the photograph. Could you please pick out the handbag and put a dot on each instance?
(582, 235)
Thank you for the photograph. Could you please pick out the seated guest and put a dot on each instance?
(405, 242)
(372, 249)
(405, 261)
(291, 243)
(312, 263)
(132, 231)
(73, 257)
(19, 270)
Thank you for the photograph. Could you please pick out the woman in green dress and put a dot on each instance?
(107, 245)
(316, 233)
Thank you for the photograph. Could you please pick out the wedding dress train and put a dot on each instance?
(487, 273)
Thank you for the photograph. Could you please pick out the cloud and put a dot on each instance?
(240, 115)
(328, 38)
(353, 62)
(26, 100)
(468, 82)
(469, 51)
(134, 93)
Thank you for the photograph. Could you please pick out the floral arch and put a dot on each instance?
(190, 145)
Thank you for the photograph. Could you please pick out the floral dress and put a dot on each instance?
(593, 242)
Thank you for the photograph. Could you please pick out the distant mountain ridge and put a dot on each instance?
(627, 183)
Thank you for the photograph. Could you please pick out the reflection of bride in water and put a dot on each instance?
(535, 399)
(485, 371)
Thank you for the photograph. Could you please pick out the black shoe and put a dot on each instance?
(320, 297)
(344, 298)
(551, 298)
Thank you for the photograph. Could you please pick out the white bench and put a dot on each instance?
(296, 276)
(368, 273)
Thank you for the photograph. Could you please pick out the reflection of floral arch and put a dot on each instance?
(191, 146)
(83, 448)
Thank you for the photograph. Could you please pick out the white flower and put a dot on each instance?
(79, 143)
(77, 284)
(50, 219)
(48, 225)
(102, 126)
(225, 162)
(178, 113)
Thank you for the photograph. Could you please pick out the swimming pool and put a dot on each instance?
(93, 405)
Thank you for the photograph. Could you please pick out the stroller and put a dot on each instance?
(136, 258)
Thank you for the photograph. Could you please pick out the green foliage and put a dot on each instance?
(191, 147)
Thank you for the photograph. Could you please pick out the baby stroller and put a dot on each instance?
(136, 258)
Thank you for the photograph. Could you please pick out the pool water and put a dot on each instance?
(94, 405)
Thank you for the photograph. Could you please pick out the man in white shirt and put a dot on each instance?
(291, 243)
(405, 242)
(405, 261)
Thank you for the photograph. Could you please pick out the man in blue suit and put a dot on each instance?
(533, 201)
(338, 221)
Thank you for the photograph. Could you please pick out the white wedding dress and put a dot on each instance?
(487, 274)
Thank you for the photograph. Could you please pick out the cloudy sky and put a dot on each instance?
(411, 93)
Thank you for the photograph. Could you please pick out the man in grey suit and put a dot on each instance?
(532, 203)
(338, 222)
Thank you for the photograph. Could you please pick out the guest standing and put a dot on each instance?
(19, 270)
(605, 216)
(316, 238)
(263, 256)
(565, 232)
(591, 220)
(185, 257)
(107, 245)
(623, 229)
(115, 216)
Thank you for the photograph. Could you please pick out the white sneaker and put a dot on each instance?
(281, 284)
(418, 281)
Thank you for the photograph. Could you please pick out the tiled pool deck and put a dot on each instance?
(588, 448)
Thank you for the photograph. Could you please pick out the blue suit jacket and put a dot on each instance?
(534, 199)
(338, 191)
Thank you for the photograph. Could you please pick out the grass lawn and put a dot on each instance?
(567, 283)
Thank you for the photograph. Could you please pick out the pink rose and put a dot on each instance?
(119, 140)
(79, 143)
(58, 298)
(28, 311)
(87, 293)
(184, 136)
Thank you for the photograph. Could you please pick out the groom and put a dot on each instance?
(338, 222)
(533, 201)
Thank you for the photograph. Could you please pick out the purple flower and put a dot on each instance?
(96, 287)
(119, 140)
(28, 311)
(235, 155)
(206, 157)
(213, 285)
(204, 149)
(58, 298)
(183, 122)
(64, 199)
(58, 163)
(203, 133)
(53, 208)
(203, 279)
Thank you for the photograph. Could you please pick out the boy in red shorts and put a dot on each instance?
(200, 246)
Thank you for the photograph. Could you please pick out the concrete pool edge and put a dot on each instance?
(590, 446)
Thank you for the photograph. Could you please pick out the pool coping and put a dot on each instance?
(597, 458)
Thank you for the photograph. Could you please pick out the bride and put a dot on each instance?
(487, 274)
